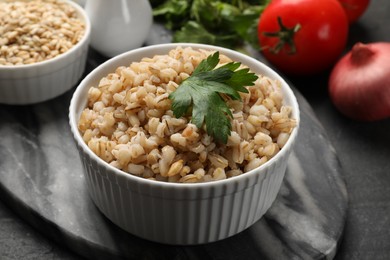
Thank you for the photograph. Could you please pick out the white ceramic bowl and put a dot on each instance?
(179, 213)
(33, 83)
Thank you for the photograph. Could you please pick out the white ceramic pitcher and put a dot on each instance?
(118, 26)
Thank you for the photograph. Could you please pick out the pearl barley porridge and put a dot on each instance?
(128, 122)
(37, 30)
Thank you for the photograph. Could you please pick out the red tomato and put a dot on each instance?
(309, 38)
(354, 8)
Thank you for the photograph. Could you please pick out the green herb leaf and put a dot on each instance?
(228, 23)
(195, 32)
(173, 13)
(203, 95)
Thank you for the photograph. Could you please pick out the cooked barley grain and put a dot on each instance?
(37, 30)
(129, 123)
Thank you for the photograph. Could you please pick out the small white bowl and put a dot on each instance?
(41, 81)
(180, 213)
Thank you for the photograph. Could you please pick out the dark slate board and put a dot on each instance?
(41, 178)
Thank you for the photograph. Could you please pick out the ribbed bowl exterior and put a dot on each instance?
(39, 84)
(33, 83)
(180, 213)
(186, 215)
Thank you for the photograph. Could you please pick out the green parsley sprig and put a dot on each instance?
(204, 94)
(228, 23)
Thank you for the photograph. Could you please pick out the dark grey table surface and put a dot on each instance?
(363, 150)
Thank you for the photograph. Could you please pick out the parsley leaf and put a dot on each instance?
(204, 95)
(228, 23)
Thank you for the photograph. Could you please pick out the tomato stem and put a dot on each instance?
(285, 35)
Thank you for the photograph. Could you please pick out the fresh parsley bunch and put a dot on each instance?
(228, 23)
(203, 95)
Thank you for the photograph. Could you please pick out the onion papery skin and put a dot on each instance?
(359, 84)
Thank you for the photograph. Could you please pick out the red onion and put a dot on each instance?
(359, 84)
